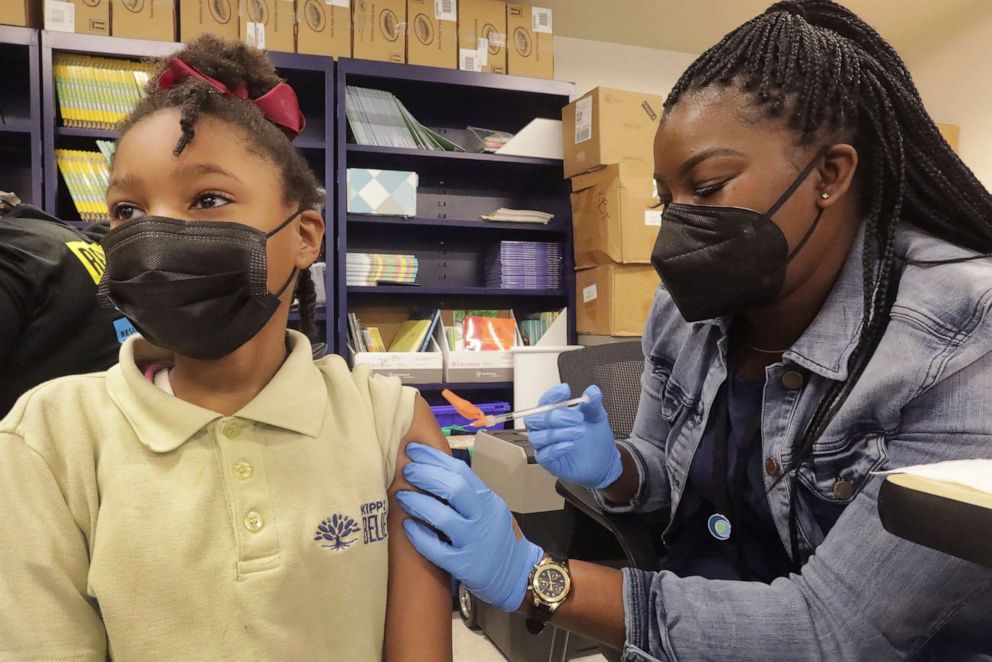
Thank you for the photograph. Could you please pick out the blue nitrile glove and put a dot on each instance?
(485, 553)
(576, 444)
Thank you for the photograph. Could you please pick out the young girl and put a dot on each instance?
(217, 494)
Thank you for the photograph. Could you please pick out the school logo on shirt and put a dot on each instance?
(339, 532)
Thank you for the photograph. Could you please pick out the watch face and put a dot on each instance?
(551, 584)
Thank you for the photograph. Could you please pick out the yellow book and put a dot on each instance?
(106, 97)
(410, 336)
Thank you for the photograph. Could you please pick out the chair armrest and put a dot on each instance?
(639, 542)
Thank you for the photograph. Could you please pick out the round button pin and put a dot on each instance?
(719, 526)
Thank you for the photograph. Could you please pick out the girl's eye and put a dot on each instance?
(125, 212)
(709, 189)
(210, 201)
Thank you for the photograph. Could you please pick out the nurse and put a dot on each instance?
(824, 314)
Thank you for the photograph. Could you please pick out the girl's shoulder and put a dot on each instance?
(384, 399)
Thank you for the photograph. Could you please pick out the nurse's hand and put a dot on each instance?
(484, 552)
(576, 444)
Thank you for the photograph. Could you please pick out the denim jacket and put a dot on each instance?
(926, 396)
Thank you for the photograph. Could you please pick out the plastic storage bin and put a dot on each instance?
(447, 416)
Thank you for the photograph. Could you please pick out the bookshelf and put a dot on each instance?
(20, 114)
(455, 188)
(311, 76)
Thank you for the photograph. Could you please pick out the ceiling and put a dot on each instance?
(691, 26)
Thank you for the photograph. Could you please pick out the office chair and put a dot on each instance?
(619, 540)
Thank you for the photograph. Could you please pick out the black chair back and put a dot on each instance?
(616, 369)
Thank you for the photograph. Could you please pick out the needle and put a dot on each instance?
(489, 421)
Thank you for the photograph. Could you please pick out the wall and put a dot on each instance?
(591, 64)
(952, 66)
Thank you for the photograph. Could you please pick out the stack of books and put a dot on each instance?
(378, 118)
(534, 325)
(413, 335)
(371, 269)
(524, 265)
(86, 175)
(98, 92)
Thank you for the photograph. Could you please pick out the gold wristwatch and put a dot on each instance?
(550, 583)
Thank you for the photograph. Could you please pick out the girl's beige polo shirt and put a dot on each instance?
(183, 534)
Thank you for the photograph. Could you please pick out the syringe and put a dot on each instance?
(490, 420)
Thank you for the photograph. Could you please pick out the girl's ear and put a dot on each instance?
(836, 174)
(310, 236)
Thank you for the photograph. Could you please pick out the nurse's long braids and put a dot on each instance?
(825, 70)
(233, 63)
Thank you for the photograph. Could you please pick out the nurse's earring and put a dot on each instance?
(825, 195)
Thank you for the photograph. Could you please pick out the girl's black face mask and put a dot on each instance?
(197, 288)
(718, 261)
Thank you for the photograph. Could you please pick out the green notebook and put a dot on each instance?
(411, 336)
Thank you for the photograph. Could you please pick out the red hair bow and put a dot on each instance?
(279, 105)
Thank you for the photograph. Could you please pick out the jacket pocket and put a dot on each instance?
(838, 472)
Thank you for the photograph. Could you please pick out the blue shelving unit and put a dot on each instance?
(20, 114)
(311, 76)
(455, 188)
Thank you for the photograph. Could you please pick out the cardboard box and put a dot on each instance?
(614, 299)
(25, 13)
(379, 30)
(150, 19)
(951, 133)
(468, 366)
(197, 17)
(612, 219)
(268, 24)
(79, 16)
(382, 192)
(482, 36)
(324, 28)
(611, 126)
(432, 33)
(530, 47)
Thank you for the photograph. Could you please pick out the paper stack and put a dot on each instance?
(518, 216)
(524, 265)
(378, 118)
(371, 269)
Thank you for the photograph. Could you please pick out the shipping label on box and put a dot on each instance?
(382, 192)
(24, 13)
(614, 299)
(79, 16)
(482, 29)
(530, 42)
(268, 24)
(199, 17)
(145, 19)
(432, 33)
(612, 218)
(324, 27)
(380, 30)
(607, 127)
